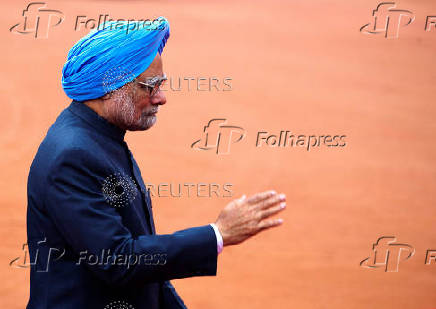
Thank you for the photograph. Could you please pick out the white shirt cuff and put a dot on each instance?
(219, 238)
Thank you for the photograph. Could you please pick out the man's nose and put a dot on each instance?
(159, 98)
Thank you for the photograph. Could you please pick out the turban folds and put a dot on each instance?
(112, 55)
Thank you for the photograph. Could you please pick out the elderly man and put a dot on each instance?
(91, 233)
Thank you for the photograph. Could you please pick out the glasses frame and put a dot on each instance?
(153, 84)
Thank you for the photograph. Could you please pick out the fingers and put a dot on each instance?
(245, 217)
(259, 197)
(267, 224)
(272, 211)
(272, 201)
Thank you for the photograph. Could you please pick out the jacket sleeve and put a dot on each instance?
(74, 200)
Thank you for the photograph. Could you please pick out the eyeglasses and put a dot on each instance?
(153, 84)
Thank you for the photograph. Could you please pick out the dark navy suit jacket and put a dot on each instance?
(91, 235)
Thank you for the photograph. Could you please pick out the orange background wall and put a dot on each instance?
(301, 66)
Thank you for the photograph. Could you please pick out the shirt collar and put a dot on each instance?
(95, 120)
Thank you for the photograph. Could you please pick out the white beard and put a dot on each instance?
(123, 111)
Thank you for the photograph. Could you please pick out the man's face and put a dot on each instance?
(131, 107)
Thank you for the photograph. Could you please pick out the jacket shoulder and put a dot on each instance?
(68, 138)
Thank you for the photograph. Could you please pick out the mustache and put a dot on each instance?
(152, 111)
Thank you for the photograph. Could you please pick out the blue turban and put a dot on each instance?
(112, 55)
